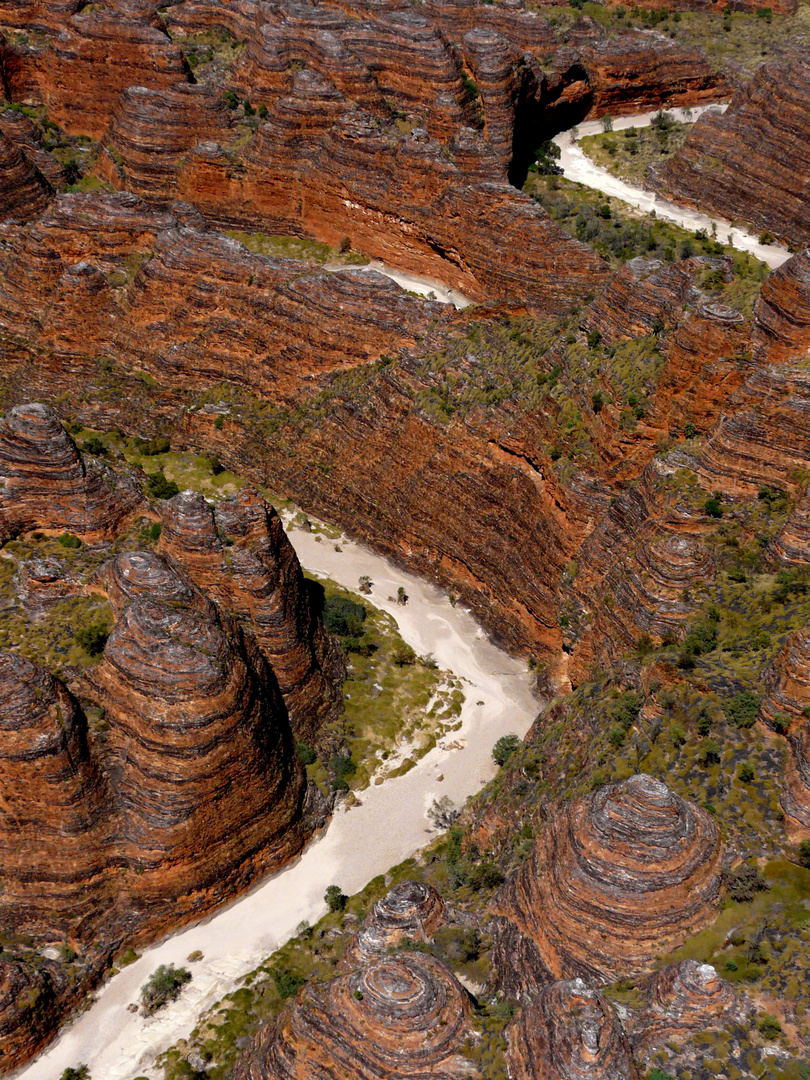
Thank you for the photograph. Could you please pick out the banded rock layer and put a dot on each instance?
(239, 553)
(683, 998)
(796, 795)
(411, 910)
(571, 1032)
(402, 1016)
(752, 163)
(786, 681)
(46, 484)
(613, 877)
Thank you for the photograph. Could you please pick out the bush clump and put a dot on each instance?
(160, 487)
(769, 1027)
(163, 986)
(343, 617)
(504, 748)
(68, 540)
(741, 710)
(93, 638)
(745, 883)
(288, 982)
(334, 898)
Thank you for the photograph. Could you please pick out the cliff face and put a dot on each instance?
(614, 876)
(751, 164)
(403, 1015)
(238, 552)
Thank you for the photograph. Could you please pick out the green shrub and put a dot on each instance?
(709, 753)
(804, 853)
(81, 1072)
(306, 755)
(287, 981)
(404, 656)
(504, 748)
(215, 465)
(342, 766)
(713, 507)
(68, 540)
(343, 617)
(94, 446)
(745, 883)
(160, 487)
(616, 736)
(769, 1027)
(746, 772)
(155, 529)
(689, 430)
(159, 444)
(334, 898)
(93, 638)
(741, 710)
(163, 986)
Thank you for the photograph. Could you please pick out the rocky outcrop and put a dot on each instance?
(571, 1032)
(238, 552)
(614, 876)
(782, 320)
(152, 128)
(751, 164)
(796, 795)
(404, 1015)
(786, 702)
(791, 545)
(27, 1014)
(640, 71)
(24, 191)
(97, 54)
(46, 484)
(54, 813)
(410, 911)
(683, 998)
(208, 787)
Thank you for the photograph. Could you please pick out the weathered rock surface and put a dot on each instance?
(54, 814)
(613, 877)
(46, 484)
(24, 191)
(411, 910)
(683, 998)
(752, 163)
(571, 1032)
(796, 795)
(238, 552)
(195, 719)
(782, 325)
(786, 681)
(27, 1016)
(401, 1016)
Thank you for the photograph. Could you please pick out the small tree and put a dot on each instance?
(504, 748)
(334, 898)
(365, 584)
(607, 122)
(402, 596)
(81, 1072)
(163, 986)
(804, 853)
(443, 812)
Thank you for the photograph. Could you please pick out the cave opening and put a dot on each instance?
(541, 112)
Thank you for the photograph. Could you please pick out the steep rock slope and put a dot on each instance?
(752, 164)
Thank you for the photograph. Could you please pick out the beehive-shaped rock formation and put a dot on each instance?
(26, 1016)
(46, 484)
(571, 1032)
(209, 790)
(54, 813)
(401, 1016)
(787, 685)
(239, 553)
(682, 998)
(411, 910)
(24, 191)
(614, 877)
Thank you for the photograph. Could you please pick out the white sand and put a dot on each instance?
(389, 826)
(429, 287)
(576, 165)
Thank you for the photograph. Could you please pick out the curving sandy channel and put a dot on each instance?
(576, 165)
(388, 826)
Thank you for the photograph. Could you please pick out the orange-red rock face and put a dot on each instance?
(26, 1016)
(683, 998)
(796, 795)
(54, 815)
(571, 1032)
(787, 685)
(410, 911)
(782, 325)
(238, 552)
(614, 876)
(403, 1015)
(24, 191)
(46, 484)
(752, 163)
